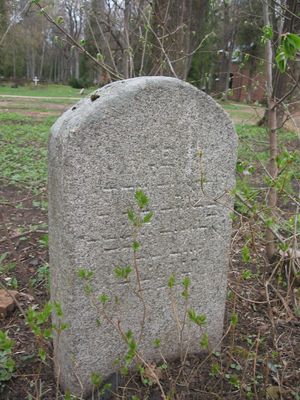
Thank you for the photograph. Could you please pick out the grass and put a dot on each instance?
(24, 130)
(57, 100)
(23, 155)
(254, 145)
(42, 90)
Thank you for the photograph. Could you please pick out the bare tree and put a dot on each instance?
(273, 170)
(230, 24)
(286, 86)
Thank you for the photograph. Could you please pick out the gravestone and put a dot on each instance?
(172, 141)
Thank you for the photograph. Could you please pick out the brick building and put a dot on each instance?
(245, 88)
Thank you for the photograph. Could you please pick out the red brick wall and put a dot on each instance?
(241, 84)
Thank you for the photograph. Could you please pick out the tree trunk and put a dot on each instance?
(177, 23)
(229, 34)
(14, 63)
(252, 68)
(282, 82)
(272, 194)
(42, 60)
(77, 64)
(126, 43)
(33, 71)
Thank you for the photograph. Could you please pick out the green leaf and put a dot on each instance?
(85, 274)
(204, 341)
(163, 366)
(88, 289)
(234, 319)
(246, 257)
(42, 354)
(103, 298)
(186, 282)
(63, 326)
(100, 57)
(295, 39)
(171, 281)
(147, 218)
(59, 20)
(2, 257)
(131, 215)
(267, 33)
(198, 319)
(44, 240)
(240, 167)
(48, 333)
(247, 274)
(124, 272)
(141, 198)
(136, 246)
(58, 309)
(281, 59)
(129, 335)
(215, 369)
(6, 344)
(96, 379)
(288, 49)
(106, 387)
(124, 371)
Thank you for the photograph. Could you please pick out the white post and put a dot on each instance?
(35, 80)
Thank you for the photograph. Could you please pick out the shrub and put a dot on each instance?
(79, 83)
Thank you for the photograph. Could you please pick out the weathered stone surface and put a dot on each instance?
(175, 143)
(7, 303)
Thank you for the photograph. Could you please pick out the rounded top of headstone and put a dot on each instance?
(120, 95)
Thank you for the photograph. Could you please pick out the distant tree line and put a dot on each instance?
(97, 41)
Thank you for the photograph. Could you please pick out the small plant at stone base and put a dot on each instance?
(43, 329)
(99, 388)
(41, 277)
(188, 313)
(69, 396)
(7, 364)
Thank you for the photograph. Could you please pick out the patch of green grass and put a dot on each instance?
(43, 90)
(231, 106)
(63, 100)
(9, 117)
(254, 142)
(23, 155)
(246, 131)
(34, 105)
(38, 108)
(242, 114)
